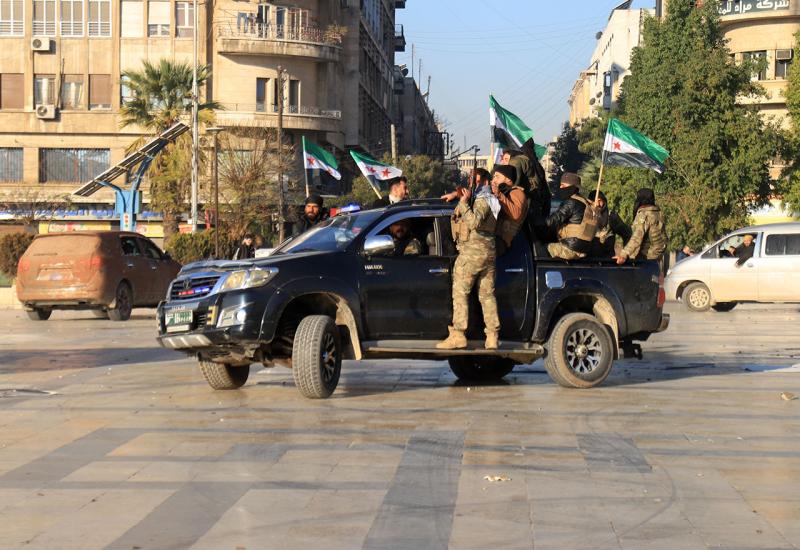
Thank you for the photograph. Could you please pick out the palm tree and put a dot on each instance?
(161, 94)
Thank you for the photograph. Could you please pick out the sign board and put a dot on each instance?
(66, 227)
(741, 7)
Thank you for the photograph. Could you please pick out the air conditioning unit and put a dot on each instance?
(40, 44)
(783, 55)
(46, 112)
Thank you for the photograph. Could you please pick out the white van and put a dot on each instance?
(712, 279)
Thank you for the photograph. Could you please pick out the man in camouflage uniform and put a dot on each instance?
(474, 231)
(649, 236)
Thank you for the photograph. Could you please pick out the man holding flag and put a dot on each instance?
(624, 146)
(375, 171)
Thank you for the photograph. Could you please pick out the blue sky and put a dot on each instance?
(527, 53)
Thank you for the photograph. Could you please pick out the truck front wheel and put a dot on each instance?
(316, 357)
(221, 376)
(580, 352)
(480, 369)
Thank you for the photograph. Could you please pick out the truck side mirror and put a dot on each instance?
(378, 244)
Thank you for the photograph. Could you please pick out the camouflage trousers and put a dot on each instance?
(558, 250)
(475, 264)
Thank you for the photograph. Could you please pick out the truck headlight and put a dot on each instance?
(248, 278)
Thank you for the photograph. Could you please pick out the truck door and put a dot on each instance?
(777, 267)
(407, 296)
(136, 269)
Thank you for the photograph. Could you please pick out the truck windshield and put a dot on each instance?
(333, 234)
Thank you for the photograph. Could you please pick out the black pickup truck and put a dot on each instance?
(339, 292)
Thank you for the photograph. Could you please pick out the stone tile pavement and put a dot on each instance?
(110, 442)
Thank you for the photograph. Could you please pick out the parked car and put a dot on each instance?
(711, 279)
(339, 292)
(108, 272)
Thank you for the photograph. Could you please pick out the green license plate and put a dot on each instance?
(178, 320)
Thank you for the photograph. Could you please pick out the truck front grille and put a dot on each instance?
(188, 289)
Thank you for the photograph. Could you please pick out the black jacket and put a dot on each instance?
(244, 252)
(303, 224)
(570, 212)
(382, 202)
(744, 253)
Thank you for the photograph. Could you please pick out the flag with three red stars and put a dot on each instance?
(374, 170)
(624, 146)
(317, 158)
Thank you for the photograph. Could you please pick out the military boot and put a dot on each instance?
(491, 340)
(456, 340)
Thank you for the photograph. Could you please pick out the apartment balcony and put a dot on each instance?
(295, 117)
(399, 39)
(243, 37)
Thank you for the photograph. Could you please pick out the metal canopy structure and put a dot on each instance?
(127, 200)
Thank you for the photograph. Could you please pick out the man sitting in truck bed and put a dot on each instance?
(575, 221)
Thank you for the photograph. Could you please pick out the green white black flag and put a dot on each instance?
(507, 128)
(624, 146)
(317, 158)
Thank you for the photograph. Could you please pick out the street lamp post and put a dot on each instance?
(195, 121)
(214, 131)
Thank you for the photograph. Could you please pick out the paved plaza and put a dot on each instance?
(111, 442)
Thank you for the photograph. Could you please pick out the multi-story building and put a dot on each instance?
(757, 29)
(61, 87)
(417, 131)
(598, 86)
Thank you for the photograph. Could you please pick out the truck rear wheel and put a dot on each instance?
(697, 297)
(580, 352)
(221, 376)
(39, 314)
(316, 357)
(480, 369)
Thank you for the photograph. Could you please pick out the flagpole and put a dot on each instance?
(373, 187)
(305, 169)
(599, 180)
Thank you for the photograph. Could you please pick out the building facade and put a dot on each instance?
(61, 85)
(598, 87)
(417, 131)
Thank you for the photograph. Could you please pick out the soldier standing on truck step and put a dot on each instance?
(473, 229)
(649, 235)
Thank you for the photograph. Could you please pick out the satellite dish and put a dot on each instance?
(599, 35)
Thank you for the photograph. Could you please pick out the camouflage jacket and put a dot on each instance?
(478, 225)
(649, 236)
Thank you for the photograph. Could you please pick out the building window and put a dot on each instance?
(44, 89)
(99, 91)
(184, 19)
(262, 85)
(71, 17)
(11, 164)
(72, 92)
(132, 18)
(760, 71)
(125, 92)
(12, 21)
(12, 87)
(71, 165)
(783, 60)
(294, 96)
(99, 17)
(44, 17)
(158, 18)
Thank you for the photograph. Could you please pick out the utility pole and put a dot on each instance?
(195, 123)
(215, 182)
(394, 143)
(281, 228)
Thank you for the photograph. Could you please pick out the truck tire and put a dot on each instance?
(316, 357)
(221, 376)
(39, 314)
(480, 369)
(697, 297)
(580, 352)
(123, 303)
(723, 306)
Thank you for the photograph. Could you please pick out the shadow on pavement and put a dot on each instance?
(46, 360)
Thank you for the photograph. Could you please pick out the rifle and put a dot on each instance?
(474, 185)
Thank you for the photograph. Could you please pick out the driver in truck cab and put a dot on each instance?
(473, 228)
